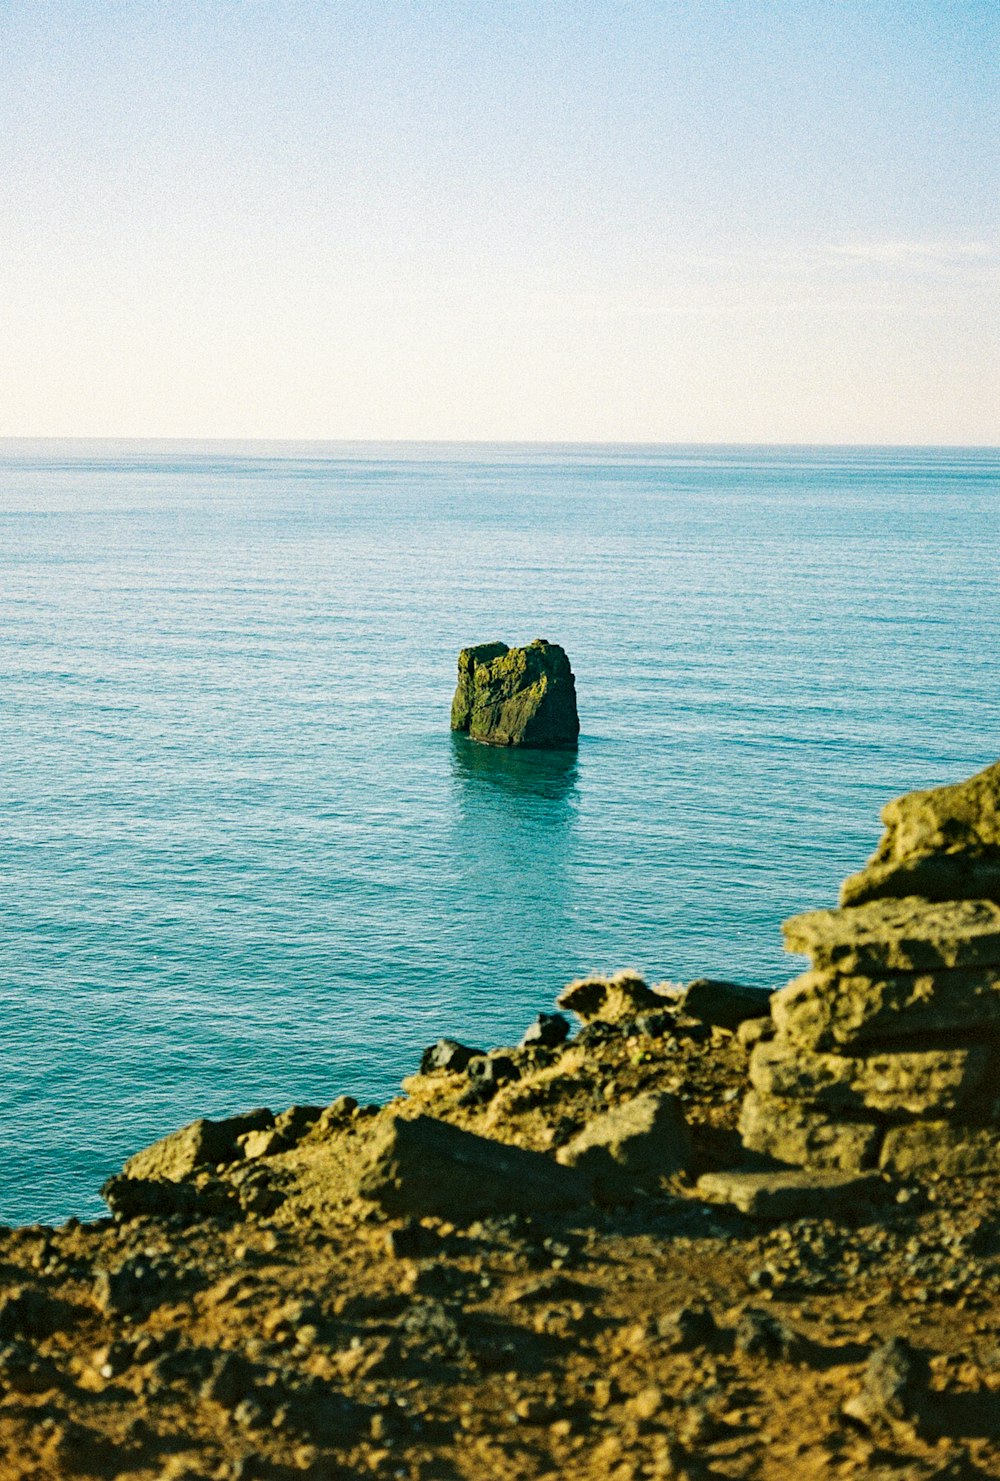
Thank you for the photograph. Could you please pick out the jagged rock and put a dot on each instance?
(609, 998)
(797, 1133)
(826, 1010)
(296, 1121)
(487, 1072)
(940, 1148)
(263, 1143)
(723, 1004)
(895, 1386)
(549, 1030)
(423, 1166)
(161, 1198)
(198, 1144)
(516, 696)
(944, 841)
(915, 1081)
(637, 1142)
(448, 1054)
(761, 1334)
(791, 1195)
(898, 935)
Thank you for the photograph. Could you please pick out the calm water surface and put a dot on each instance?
(244, 862)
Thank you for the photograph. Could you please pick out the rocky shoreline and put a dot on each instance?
(669, 1244)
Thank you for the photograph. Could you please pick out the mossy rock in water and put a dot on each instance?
(516, 696)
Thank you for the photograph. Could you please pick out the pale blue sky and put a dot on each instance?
(654, 221)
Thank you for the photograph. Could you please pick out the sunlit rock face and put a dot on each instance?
(516, 696)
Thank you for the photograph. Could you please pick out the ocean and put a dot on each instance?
(243, 860)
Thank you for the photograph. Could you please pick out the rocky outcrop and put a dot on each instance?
(886, 1053)
(942, 844)
(516, 696)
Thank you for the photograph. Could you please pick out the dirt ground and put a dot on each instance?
(281, 1327)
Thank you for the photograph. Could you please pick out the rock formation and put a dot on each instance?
(516, 696)
(886, 1053)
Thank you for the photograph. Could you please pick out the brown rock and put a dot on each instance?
(827, 1010)
(959, 823)
(940, 1148)
(807, 1137)
(914, 1081)
(424, 1166)
(198, 1144)
(790, 1195)
(637, 1142)
(610, 998)
(723, 1004)
(905, 935)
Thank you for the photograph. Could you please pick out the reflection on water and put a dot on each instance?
(514, 846)
(522, 776)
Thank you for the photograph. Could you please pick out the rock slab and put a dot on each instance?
(422, 1166)
(516, 696)
(635, 1143)
(791, 1195)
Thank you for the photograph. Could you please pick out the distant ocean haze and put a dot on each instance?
(245, 862)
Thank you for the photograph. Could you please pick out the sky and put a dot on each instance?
(557, 220)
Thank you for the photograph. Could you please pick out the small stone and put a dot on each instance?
(610, 999)
(448, 1054)
(761, 1334)
(647, 1402)
(895, 1385)
(262, 1143)
(549, 1030)
(687, 1328)
(487, 1072)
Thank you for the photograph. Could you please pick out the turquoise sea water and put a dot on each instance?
(244, 862)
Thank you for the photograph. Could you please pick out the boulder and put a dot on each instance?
(915, 1082)
(827, 1010)
(898, 935)
(791, 1195)
(448, 1054)
(941, 1149)
(797, 1133)
(948, 838)
(548, 1031)
(723, 1004)
(201, 1143)
(516, 696)
(637, 1142)
(609, 999)
(424, 1167)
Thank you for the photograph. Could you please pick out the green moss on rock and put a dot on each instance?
(516, 696)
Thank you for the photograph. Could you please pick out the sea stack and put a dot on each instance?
(516, 696)
(886, 1054)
